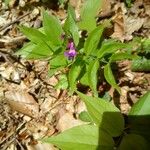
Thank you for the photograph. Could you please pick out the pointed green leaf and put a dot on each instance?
(40, 51)
(142, 106)
(33, 34)
(71, 28)
(33, 51)
(92, 41)
(108, 47)
(122, 56)
(26, 50)
(52, 28)
(55, 61)
(74, 73)
(104, 114)
(62, 83)
(92, 76)
(88, 14)
(110, 77)
(141, 65)
(133, 142)
(84, 79)
(139, 117)
(84, 137)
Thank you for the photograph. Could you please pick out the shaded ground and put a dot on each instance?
(40, 109)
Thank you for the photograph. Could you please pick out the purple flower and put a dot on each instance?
(71, 53)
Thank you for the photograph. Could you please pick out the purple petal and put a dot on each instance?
(71, 46)
(70, 54)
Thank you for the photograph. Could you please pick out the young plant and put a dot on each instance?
(81, 56)
(143, 50)
(106, 128)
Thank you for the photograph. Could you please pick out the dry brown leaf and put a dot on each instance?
(126, 24)
(41, 146)
(106, 7)
(118, 25)
(67, 121)
(22, 102)
(132, 24)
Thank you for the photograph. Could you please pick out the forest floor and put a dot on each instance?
(30, 107)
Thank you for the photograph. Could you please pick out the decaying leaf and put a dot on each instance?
(67, 121)
(22, 102)
(118, 24)
(125, 24)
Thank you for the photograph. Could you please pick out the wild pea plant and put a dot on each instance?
(106, 128)
(78, 58)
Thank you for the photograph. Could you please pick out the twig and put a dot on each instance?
(13, 22)
(14, 40)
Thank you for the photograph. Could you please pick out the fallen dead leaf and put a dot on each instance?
(118, 25)
(67, 121)
(41, 146)
(22, 102)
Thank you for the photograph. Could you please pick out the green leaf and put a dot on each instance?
(139, 116)
(142, 106)
(38, 38)
(109, 47)
(84, 137)
(70, 26)
(122, 56)
(52, 71)
(26, 50)
(52, 28)
(104, 114)
(84, 79)
(84, 116)
(133, 142)
(141, 65)
(32, 51)
(93, 39)
(58, 61)
(110, 77)
(88, 13)
(146, 45)
(92, 76)
(62, 83)
(33, 34)
(74, 73)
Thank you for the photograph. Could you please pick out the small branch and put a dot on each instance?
(13, 22)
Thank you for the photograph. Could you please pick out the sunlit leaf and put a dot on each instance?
(70, 26)
(139, 117)
(108, 47)
(58, 60)
(74, 73)
(92, 41)
(92, 76)
(84, 137)
(33, 34)
(62, 83)
(52, 28)
(88, 14)
(110, 77)
(122, 56)
(35, 51)
(104, 114)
